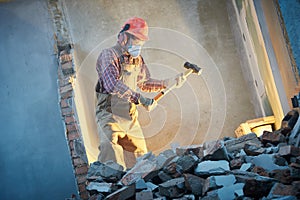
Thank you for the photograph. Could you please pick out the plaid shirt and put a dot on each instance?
(109, 67)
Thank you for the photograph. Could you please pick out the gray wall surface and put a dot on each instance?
(34, 156)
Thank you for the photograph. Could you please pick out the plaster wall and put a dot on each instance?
(34, 155)
(207, 107)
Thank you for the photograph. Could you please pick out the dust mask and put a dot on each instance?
(134, 50)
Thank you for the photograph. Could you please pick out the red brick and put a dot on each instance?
(84, 195)
(81, 170)
(69, 119)
(73, 135)
(289, 151)
(67, 66)
(81, 188)
(67, 111)
(66, 88)
(67, 95)
(71, 145)
(65, 58)
(81, 179)
(71, 127)
(73, 154)
(64, 103)
(78, 161)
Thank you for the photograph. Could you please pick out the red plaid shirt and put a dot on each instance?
(109, 67)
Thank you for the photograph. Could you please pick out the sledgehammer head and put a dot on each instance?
(197, 70)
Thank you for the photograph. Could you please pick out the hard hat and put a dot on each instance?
(137, 27)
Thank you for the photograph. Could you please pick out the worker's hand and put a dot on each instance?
(149, 104)
(180, 79)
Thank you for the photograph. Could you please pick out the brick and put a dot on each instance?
(70, 119)
(194, 184)
(67, 111)
(73, 136)
(236, 163)
(280, 189)
(81, 170)
(64, 103)
(78, 161)
(272, 137)
(64, 58)
(67, 68)
(81, 188)
(71, 127)
(257, 188)
(215, 150)
(71, 144)
(195, 149)
(289, 150)
(67, 95)
(260, 171)
(84, 195)
(66, 88)
(283, 176)
(81, 179)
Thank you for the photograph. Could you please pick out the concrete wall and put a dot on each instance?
(34, 156)
(207, 107)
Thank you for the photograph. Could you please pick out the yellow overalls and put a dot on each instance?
(121, 137)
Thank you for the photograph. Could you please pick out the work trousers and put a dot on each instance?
(121, 137)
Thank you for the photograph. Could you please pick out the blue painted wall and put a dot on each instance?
(34, 156)
(290, 10)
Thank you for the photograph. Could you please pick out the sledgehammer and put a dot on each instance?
(191, 68)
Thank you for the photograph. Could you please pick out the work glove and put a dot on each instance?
(147, 103)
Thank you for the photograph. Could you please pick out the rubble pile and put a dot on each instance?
(249, 167)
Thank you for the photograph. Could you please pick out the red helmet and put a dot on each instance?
(137, 27)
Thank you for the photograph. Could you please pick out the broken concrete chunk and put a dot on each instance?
(151, 186)
(272, 137)
(231, 191)
(289, 150)
(283, 176)
(144, 195)
(186, 163)
(207, 168)
(109, 171)
(194, 184)
(140, 170)
(252, 150)
(195, 149)
(225, 180)
(281, 190)
(164, 158)
(173, 188)
(245, 166)
(215, 150)
(124, 193)
(290, 119)
(164, 176)
(235, 145)
(265, 161)
(100, 187)
(236, 163)
(256, 188)
(260, 171)
(140, 184)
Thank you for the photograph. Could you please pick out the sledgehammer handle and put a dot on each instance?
(166, 91)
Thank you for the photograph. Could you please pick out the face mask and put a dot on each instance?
(134, 50)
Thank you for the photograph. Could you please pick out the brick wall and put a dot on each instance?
(66, 77)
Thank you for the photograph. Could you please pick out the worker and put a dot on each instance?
(121, 70)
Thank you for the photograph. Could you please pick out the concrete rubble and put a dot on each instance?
(249, 167)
